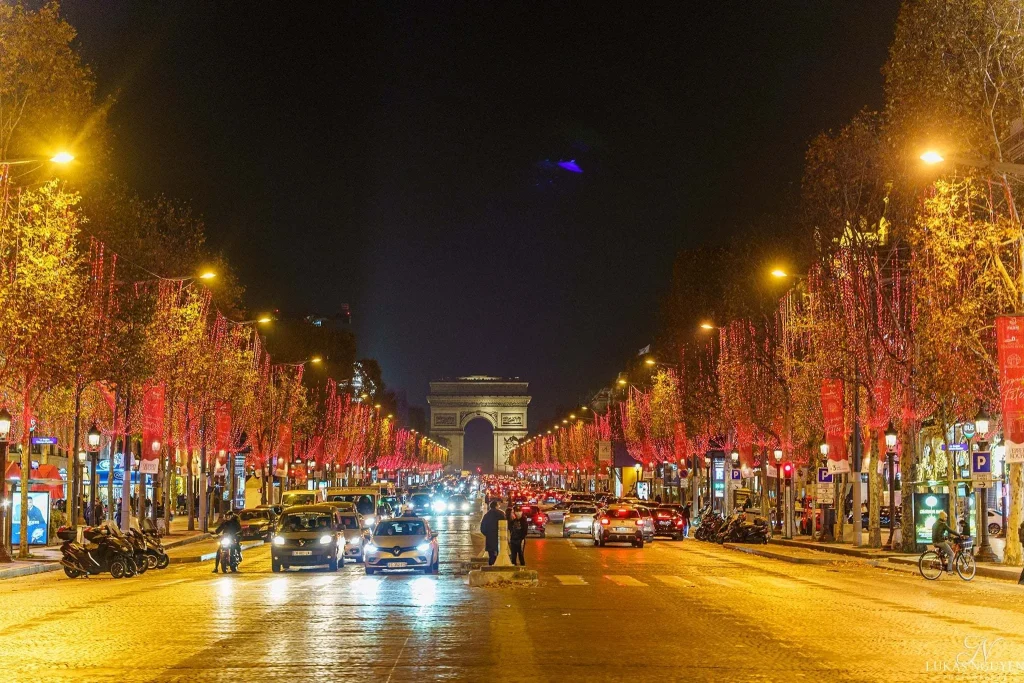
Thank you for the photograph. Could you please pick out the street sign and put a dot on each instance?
(44, 441)
(968, 429)
(826, 494)
(838, 466)
(736, 475)
(772, 472)
(604, 451)
(981, 470)
(823, 476)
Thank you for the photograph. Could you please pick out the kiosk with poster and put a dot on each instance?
(38, 518)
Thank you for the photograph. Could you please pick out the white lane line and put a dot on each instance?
(170, 583)
(570, 580)
(623, 580)
(725, 581)
(393, 666)
(675, 581)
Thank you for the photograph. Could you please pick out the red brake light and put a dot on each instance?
(662, 515)
(604, 520)
(539, 519)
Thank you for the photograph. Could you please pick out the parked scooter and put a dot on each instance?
(743, 527)
(104, 550)
(156, 555)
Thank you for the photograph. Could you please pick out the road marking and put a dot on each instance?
(567, 580)
(725, 581)
(170, 583)
(622, 580)
(676, 581)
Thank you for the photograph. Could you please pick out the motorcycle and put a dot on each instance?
(710, 523)
(743, 528)
(229, 556)
(156, 555)
(148, 550)
(104, 550)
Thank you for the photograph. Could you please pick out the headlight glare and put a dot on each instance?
(278, 540)
(325, 539)
(423, 547)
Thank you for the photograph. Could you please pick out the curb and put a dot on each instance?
(35, 568)
(177, 543)
(989, 572)
(836, 549)
(206, 557)
(752, 550)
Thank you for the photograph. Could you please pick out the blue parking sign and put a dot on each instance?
(823, 476)
(736, 475)
(981, 463)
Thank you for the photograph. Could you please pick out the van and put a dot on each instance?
(367, 500)
(302, 497)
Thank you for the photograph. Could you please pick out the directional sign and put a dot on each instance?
(824, 476)
(981, 470)
(44, 441)
(826, 494)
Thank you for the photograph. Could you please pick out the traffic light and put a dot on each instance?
(479, 470)
(787, 470)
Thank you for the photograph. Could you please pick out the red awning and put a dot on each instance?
(44, 478)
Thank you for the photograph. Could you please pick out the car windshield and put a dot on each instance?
(363, 502)
(582, 510)
(305, 521)
(420, 499)
(624, 514)
(300, 498)
(349, 522)
(412, 528)
(250, 515)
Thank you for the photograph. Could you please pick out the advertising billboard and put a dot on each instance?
(927, 507)
(38, 518)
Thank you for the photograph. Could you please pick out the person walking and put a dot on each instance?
(517, 529)
(489, 528)
(686, 520)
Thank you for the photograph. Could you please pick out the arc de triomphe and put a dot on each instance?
(457, 402)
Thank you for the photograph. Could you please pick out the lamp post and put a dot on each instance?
(818, 527)
(5, 433)
(778, 489)
(735, 458)
(985, 552)
(93, 442)
(890, 461)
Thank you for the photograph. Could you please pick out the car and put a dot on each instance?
(579, 519)
(274, 509)
(648, 517)
(302, 497)
(402, 543)
(556, 512)
(668, 521)
(619, 524)
(257, 523)
(537, 520)
(458, 505)
(342, 505)
(419, 504)
(308, 536)
(356, 536)
(395, 502)
(365, 498)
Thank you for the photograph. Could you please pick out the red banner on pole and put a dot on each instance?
(1010, 346)
(152, 428)
(222, 417)
(833, 412)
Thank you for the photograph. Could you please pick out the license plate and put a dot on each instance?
(396, 565)
(302, 552)
(621, 529)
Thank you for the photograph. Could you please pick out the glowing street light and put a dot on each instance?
(779, 273)
(207, 275)
(932, 157)
(62, 158)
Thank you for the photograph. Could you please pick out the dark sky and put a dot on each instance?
(394, 159)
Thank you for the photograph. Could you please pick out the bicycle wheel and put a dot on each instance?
(930, 565)
(965, 565)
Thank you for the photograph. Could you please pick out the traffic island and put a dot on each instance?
(502, 577)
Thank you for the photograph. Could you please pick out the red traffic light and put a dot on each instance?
(787, 470)
(478, 469)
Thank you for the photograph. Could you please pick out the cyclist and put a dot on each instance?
(941, 533)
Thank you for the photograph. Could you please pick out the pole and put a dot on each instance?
(71, 504)
(858, 528)
(5, 554)
(778, 496)
(985, 552)
(203, 483)
(788, 533)
(890, 461)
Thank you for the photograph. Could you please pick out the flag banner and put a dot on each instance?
(1010, 347)
(833, 412)
(152, 429)
(284, 449)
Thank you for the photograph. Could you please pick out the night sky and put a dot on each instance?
(405, 161)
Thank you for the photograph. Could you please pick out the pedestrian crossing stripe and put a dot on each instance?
(567, 580)
(623, 580)
(675, 581)
(726, 581)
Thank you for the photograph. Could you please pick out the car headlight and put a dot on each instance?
(325, 539)
(465, 506)
(423, 548)
(371, 548)
(278, 540)
(439, 506)
(225, 542)
(368, 520)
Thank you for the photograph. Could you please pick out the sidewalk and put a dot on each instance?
(48, 559)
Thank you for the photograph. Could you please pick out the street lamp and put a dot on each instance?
(5, 433)
(778, 489)
(985, 552)
(934, 157)
(92, 439)
(891, 437)
(735, 457)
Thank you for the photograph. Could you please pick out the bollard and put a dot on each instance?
(503, 554)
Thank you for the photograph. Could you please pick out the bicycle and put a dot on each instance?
(932, 563)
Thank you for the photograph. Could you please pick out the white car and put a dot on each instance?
(579, 519)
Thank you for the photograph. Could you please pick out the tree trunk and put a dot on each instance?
(190, 486)
(874, 494)
(1012, 554)
(908, 463)
(26, 466)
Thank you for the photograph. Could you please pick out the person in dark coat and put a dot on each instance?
(489, 528)
(517, 529)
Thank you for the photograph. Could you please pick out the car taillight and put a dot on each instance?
(539, 519)
(662, 516)
(604, 520)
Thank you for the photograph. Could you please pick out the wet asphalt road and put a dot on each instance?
(670, 611)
